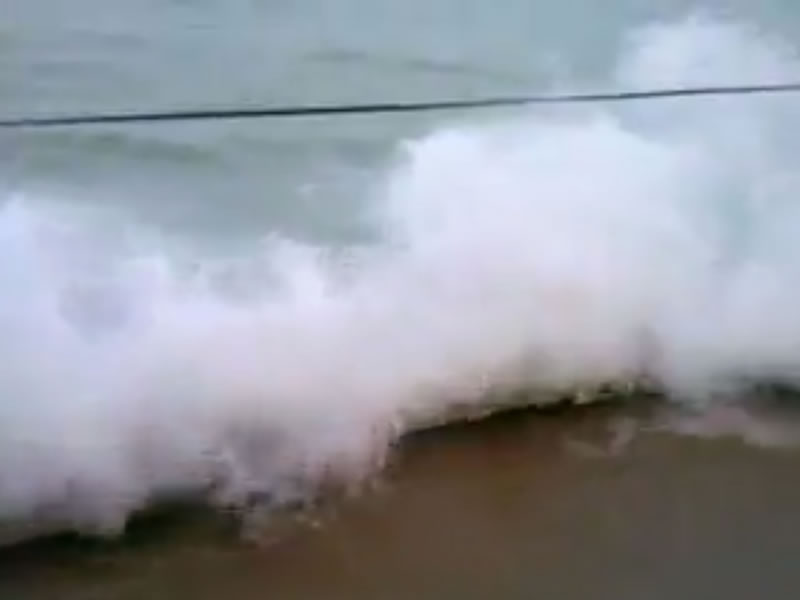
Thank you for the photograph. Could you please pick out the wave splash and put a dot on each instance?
(559, 251)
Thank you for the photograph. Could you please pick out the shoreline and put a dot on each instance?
(518, 505)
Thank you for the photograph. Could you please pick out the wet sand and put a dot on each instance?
(523, 506)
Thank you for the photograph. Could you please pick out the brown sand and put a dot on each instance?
(526, 506)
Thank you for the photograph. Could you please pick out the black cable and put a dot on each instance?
(390, 107)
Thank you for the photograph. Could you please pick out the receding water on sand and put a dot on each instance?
(579, 504)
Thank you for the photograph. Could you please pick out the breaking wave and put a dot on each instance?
(558, 251)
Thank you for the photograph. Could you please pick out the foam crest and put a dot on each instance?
(552, 252)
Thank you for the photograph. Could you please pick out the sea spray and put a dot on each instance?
(518, 261)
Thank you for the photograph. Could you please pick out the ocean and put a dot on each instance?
(223, 342)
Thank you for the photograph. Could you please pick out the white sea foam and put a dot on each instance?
(556, 250)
